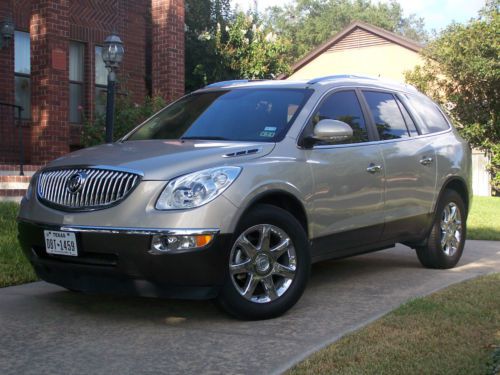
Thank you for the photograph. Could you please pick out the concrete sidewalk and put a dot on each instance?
(47, 330)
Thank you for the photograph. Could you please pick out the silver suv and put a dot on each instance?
(234, 190)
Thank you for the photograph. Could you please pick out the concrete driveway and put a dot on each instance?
(47, 330)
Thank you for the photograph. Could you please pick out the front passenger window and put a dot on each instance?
(344, 106)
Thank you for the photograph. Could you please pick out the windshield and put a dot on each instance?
(254, 115)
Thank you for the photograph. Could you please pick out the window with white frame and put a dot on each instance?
(22, 72)
(76, 80)
(101, 82)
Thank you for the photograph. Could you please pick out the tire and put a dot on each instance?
(445, 243)
(265, 278)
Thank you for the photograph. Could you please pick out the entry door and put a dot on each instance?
(348, 198)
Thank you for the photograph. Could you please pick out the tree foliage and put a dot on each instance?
(223, 45)
(248, 49)
(462, 72)
(308, 23)
(202, 64)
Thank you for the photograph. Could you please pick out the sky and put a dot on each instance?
(437, 13)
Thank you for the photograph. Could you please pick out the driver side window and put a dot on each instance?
(344, 106)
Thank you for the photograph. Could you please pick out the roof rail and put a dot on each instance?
(232, 82)
(337, 76)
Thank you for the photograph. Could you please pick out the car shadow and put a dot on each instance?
(174, 312)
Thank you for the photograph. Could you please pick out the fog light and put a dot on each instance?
(161, 244)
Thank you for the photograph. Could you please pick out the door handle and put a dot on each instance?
(426, 160)
(373, 168)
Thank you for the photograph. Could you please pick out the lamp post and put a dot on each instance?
(6, 31)
(112, 55)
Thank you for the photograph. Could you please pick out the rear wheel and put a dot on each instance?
(268, 266)
(446, 240)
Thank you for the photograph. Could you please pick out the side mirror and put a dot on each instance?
(332, 131)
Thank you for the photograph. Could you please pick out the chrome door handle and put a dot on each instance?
(373, 168)
(426, 160)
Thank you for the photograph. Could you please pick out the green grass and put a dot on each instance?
(484, 219)
(14, 268)
(454, 331)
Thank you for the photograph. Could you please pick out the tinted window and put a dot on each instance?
(344, 106)
(386, 114)
(432, 118)
(236, 115)
(408, 120)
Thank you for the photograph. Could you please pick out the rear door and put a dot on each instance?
(348, 196)
(410, 166)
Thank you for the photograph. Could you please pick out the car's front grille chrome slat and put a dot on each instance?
(82, 189)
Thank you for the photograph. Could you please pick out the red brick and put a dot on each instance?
(153, 35)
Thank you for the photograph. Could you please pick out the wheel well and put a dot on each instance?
(287, 202)
(460, 187)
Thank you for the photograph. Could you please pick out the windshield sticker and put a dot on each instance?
(270, 129)
(267, 134)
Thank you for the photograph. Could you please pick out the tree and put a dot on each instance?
(308, 23)
(247, 49)
(203, 16)
(462, 72)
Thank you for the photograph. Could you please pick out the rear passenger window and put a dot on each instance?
(432, 118)
(388, 118)
(344, 106)
(409, 121)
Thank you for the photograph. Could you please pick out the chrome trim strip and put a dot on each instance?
(140, 231)
(94, 166)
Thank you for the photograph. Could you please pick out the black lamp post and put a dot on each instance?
(112, 55)
(6, 31)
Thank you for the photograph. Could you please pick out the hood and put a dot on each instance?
(165, 159)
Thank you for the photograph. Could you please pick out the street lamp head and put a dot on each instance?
(7, 29)
(112, 52)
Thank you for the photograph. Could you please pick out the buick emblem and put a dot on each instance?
(75, 182)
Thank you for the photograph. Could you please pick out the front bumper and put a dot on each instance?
(117, 261)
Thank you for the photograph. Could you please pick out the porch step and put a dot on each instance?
(13, 169)
(13, 187)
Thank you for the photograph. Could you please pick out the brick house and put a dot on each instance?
(53, 67)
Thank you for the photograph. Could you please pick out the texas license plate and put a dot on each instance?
(60, 243)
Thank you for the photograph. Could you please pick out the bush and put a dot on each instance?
(127, 116)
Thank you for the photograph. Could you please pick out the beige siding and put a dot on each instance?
(382, 60)
(358, 38)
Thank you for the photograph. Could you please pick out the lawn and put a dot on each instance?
(455, 331)
(484, 219)
(14, 268)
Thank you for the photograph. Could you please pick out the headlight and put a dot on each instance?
(196, 189)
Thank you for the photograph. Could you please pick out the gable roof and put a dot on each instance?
(352, 27)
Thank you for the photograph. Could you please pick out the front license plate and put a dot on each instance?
(60, 243)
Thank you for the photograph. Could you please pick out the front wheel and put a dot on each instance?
(446, 240)
(268, 266)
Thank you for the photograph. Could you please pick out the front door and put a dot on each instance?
(348, 197)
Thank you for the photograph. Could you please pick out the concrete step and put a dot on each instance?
(13, 169)
(13, 187)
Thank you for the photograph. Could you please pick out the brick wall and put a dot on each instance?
(52, 24)
(168, 48)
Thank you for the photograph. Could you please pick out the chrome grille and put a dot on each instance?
(85, 188)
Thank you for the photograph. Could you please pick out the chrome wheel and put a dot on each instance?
(262, 263)
(451, 229)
